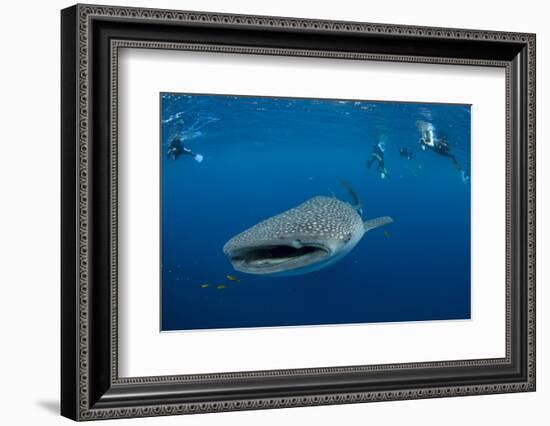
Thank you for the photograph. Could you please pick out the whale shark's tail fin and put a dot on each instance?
(376, 222)
(354, 196)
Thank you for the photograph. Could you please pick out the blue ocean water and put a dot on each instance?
(262, 156)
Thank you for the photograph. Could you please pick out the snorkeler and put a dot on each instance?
(406, 153)
(440, 147)
(176, 148)
(378, 156)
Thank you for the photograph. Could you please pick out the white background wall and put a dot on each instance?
(29, 211)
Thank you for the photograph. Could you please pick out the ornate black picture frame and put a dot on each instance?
(91, 387)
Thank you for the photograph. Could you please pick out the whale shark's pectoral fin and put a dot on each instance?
(376, 222)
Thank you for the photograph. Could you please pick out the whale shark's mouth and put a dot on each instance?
(271, 258)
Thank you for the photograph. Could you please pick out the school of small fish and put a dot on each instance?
(231, 278)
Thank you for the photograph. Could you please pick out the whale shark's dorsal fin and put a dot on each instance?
(376, 222)
(354, 196)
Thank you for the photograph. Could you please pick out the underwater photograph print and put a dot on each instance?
(281, 212)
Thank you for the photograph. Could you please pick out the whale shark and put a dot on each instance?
(306, 238)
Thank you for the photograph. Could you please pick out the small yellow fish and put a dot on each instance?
(204, 285)
(221, 287)
(232, 278)
(386, 234)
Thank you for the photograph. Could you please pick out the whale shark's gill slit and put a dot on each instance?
(275, 253)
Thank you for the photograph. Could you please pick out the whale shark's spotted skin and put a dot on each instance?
(320, 217)
(308, 237)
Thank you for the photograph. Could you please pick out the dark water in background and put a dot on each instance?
(265, 155)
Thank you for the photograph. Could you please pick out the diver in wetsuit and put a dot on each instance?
(406, 153)
(378, 156)
(176, 148)
(440, 147)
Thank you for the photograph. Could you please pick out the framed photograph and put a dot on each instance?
(263, 212)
